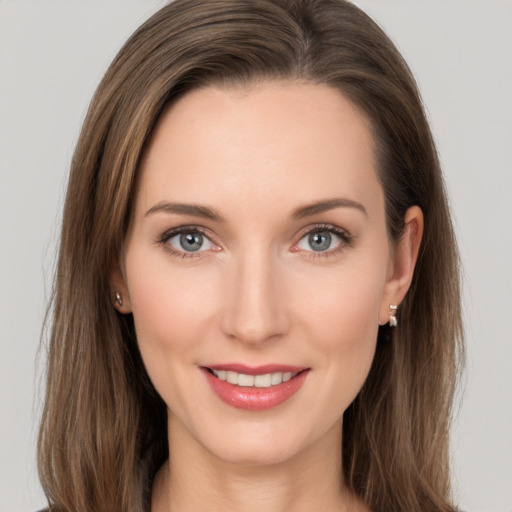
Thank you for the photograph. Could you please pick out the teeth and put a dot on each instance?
(263, 381)
(245, 380)
(276, 378)
(259, 381)
(231, 377)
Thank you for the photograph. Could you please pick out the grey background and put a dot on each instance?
(52, 55)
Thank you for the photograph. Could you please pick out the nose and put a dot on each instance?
(254, 311)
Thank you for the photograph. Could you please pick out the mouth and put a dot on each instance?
(255, 389)
(264, 380)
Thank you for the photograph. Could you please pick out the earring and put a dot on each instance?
(392, 315)
(119, 300)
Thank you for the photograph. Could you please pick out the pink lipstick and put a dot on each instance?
(254, 388)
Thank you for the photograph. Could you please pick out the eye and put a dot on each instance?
(186, 241)
(318, 241)
(324, 239)
(189, 242)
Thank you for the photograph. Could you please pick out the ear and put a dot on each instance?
(119, 290)
(402, 263)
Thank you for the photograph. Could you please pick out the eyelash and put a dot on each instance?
(178, 231)
(347, 240)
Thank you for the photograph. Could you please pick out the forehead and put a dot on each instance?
(278, 141)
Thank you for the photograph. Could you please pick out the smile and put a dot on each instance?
(255, 389)
(258, 381)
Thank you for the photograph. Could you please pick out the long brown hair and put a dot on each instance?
(103, 431)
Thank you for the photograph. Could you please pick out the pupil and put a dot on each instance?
(320, 241)
(191, 241)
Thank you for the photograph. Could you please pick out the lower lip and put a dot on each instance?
(253, 398)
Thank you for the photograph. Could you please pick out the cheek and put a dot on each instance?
(167, 304)
(340, 315)
(344, 302)
(157, 311)
(169, 308)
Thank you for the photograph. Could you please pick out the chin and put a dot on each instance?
(256, 454)
(258, 444)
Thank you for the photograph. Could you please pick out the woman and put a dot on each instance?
(257, 297)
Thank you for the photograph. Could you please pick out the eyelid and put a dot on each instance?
(347, 240)
(171, 233)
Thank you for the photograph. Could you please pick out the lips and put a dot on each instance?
(259, 381)
(255, 388)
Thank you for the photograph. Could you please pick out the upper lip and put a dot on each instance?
(256, 370)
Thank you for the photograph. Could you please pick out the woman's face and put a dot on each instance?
(258, 249)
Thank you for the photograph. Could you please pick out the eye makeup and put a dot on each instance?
(345, 239)
(199, 241)
(187, 234)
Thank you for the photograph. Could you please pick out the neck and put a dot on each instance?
(196, 479)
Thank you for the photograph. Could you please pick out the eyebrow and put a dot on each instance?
(205, 212)
(328, 204)
(194, 210)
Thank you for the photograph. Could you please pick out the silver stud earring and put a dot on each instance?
(392, 315)
(119, 300)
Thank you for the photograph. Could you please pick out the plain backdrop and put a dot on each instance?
(52, 55)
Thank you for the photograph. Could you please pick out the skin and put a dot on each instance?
(256, 292)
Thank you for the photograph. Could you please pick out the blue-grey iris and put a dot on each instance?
(191, 241)
(320, 241)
